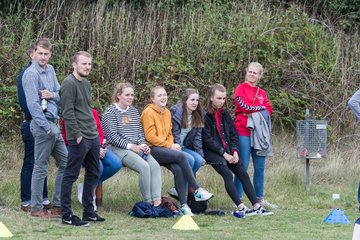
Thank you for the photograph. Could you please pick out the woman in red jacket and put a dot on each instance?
(249, 98)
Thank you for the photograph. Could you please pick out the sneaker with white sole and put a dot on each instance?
(80, 189)
(240, 213)
(75, 221)
(261, 211)
(92, 218)
(202, 195)
(266, 203)
(173, 193)
(185, 210)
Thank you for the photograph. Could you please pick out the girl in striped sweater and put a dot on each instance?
(122, 129)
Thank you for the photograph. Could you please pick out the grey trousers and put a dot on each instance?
(149, 172)
(44, 146)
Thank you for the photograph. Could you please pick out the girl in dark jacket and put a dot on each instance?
(220, 146)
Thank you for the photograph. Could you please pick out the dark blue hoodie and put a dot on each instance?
(193, 139)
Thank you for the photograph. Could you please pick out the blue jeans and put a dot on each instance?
(359, 193)
(259, 167)
(195, 160)
(109, 165)
(28, 165)
(354, 104)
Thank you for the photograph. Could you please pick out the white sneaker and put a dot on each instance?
(266, 203)
(185, 210)
(261, 211)
(94, 203)
(202, 195)
(80, 189)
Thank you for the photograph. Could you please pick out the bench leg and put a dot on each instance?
(99, 195)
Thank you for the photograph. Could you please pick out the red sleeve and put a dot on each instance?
(267, 104)
(244, 99)
(63, 132)
(98, 125)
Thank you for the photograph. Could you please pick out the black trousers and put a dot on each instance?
(226, 171)
(87, 154)
(176, 162)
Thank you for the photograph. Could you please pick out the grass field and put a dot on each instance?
(300, 214)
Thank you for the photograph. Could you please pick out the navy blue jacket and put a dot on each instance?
(21, 94)
(193, 139)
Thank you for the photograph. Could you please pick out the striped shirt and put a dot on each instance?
(122, 127)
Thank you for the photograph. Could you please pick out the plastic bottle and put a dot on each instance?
(43, 104)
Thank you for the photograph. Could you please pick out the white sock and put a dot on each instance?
(94, 203)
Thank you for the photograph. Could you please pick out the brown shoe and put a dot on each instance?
(56, 212)
(26, 208)
(43, 213)
(47, 206)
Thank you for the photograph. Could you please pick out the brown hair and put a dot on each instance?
(31, 49)
(197, 120)
(44, 43)
(119, 88)
(208, 103)
(80, 53)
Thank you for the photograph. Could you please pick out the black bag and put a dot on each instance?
(196, 207)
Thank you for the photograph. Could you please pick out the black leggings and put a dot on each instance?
(226, 171)
(176, 162)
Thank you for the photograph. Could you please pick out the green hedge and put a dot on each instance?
(187, 44)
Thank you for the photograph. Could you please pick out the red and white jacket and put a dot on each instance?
(246, 103)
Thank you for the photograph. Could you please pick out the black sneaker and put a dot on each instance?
(92, 218)
(75, 221)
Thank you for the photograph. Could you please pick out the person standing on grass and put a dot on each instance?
(109, 162)
(354, 105)
(42, 96)
(28, 139)
(251, 99)
(156, 121)
(83, 139)
(187, 123)
(122, 128)
(220, 145)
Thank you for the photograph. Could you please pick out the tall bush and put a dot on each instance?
(183, 44)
